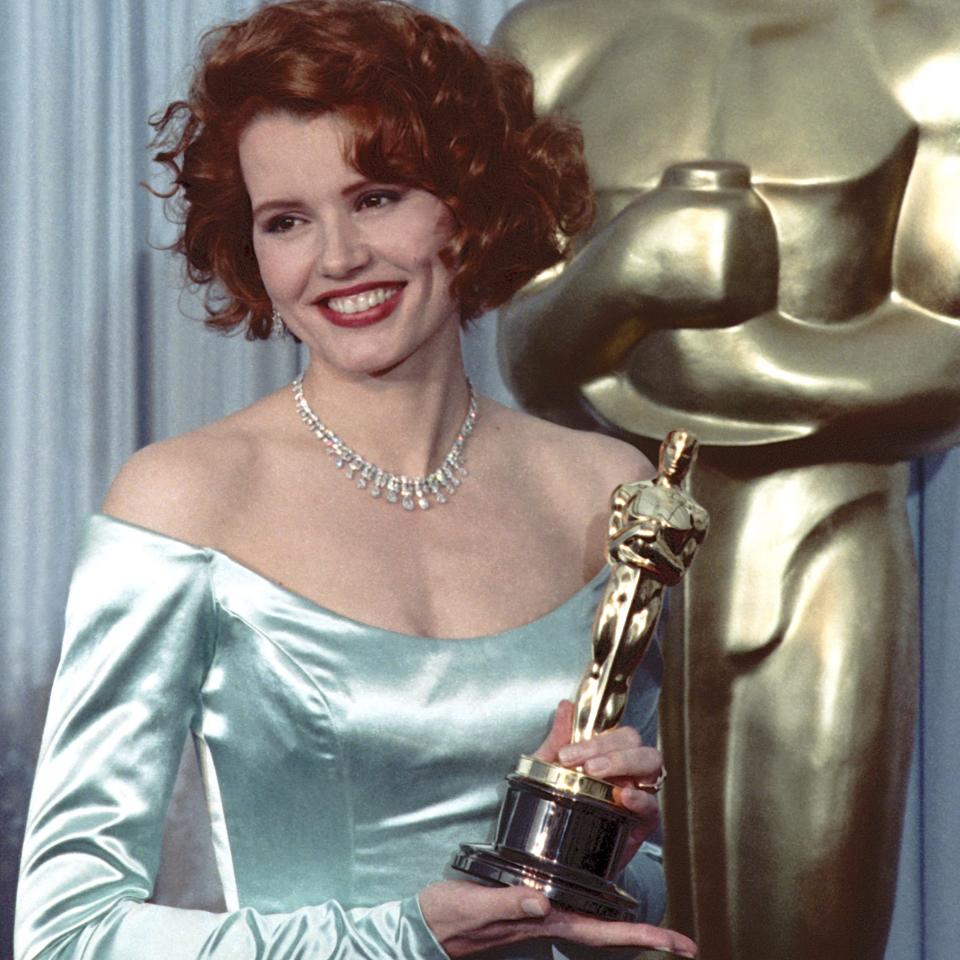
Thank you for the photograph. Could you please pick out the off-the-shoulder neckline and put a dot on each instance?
(319, 609)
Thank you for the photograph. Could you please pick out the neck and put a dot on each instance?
(404, 421)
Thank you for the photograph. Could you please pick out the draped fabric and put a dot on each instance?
(103, 353)
(332, 803)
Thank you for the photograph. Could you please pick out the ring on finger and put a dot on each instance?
(656, 785)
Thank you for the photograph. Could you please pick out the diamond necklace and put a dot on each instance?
(409, 492)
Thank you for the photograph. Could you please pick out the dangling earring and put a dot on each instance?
(279, 329)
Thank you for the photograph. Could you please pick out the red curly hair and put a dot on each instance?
(429, 110)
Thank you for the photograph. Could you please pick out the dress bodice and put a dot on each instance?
(342, 763)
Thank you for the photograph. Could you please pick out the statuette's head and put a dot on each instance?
(677, 453)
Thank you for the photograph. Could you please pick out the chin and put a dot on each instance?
(360, 363)
(371, 356)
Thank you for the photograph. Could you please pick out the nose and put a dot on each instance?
(343, 248)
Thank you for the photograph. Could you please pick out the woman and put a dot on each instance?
(357, 674)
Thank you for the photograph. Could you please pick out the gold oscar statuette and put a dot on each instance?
(560, 830)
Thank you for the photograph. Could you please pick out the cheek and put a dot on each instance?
(446, 230)
(262, 252)
(432, 244)
(278, 268)
(439, 276)
(427, 235)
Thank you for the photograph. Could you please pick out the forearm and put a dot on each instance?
(896, 369)
(139, 931)
(558, 333)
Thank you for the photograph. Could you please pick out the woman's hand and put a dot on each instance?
(618, 756)
(467, 917)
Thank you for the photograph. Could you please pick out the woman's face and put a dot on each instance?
(353, 266)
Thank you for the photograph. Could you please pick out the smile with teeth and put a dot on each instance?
(361, 301)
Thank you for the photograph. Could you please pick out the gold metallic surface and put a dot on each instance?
(561, 830)
(804, 323)
(573, 782)
(655, 529)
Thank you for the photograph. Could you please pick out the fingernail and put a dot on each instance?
(597, 765)
(570, 753)
(533, 908)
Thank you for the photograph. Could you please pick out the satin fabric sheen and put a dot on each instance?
(342, 763)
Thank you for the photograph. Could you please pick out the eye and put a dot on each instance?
(281, 224)
(377, 199)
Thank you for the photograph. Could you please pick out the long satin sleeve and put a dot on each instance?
(140, 635)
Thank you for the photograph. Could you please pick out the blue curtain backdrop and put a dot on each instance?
(103, 353)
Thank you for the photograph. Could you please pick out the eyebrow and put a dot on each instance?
(282, 203)
(269, 205)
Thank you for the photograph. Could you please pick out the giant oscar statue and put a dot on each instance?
(776, 264)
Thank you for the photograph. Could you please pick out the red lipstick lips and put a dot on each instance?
(362, 318)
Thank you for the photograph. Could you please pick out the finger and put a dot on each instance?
(486, 905)
(605, 933)
(495, 935)
(562, 925)
(457, 908)
(639, 764)
(559, 734)
(610, 741)
(641, 804)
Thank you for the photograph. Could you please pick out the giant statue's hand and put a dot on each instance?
(777, 378)
(698, 251)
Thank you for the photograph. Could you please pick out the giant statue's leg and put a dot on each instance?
(696, 681)
(788, 811)
(821, 730)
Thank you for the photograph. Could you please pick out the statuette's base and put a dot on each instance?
(569, 889)
(557, 835)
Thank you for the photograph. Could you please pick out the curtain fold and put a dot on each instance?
(104, 353)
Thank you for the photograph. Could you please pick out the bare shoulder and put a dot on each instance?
(177, 487)
(564, 479)
(187, 486)
(581, 462)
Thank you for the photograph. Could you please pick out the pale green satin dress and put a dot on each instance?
(342, 763)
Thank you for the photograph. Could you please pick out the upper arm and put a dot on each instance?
(601, 465)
